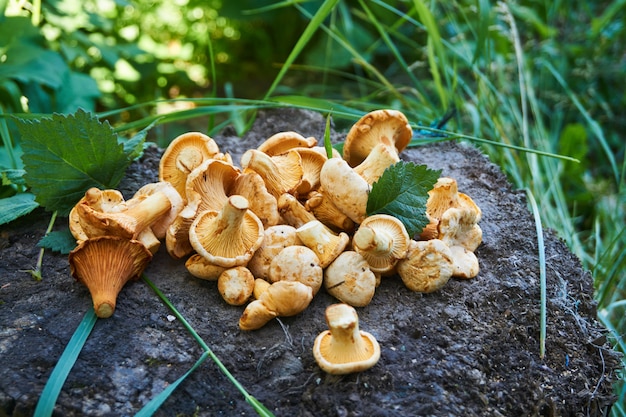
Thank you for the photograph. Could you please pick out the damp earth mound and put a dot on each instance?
(469, 349)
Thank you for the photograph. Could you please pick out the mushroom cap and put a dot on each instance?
(203, 269)
(345, 188)
(104, 265)
(427, 267)
(235, 285)
(281, 173)
(465, 262)
(283, 142)
(349, 279)
(458, 227)
(262, 203)
(312, 163)
(228, 237)
(344, 349)
(282, 298)
(185, 153)
(324, 242)
(297, 263)
(275, 239)
(382, 240)
(368, 131)
(101, 200)
(211, 184)
(287, 298)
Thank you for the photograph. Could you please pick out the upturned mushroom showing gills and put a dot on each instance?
(344, 349)
(228, 237)
(104, 265)
(382, 240)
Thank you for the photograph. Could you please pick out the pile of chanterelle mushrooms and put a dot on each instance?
(286, 222)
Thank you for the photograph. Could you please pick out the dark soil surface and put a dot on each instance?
(470, 349)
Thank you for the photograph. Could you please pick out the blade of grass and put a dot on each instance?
(542, 273)
(50, 393)
(258, 406)
(436, 56)
(316, 21)
(154, 404)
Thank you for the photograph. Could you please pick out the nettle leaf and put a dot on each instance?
(60, 241)
(402, 192)
(15, 206)
(67, 154)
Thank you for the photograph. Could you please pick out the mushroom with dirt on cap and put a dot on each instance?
(349, 279)
(344, 348)
(280, 299)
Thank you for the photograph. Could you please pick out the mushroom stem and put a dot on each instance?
(147, 211)
(344, 348)
(367, 239)
(343, 324)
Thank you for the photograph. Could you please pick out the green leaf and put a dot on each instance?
(327, 144)
(16, 206)
(402, 191)
(66, 155)
(12, 176)
(61, 241)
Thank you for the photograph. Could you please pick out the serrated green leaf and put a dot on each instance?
(60, 241)
(12, 176)
(402, 192)
(16, 206)
(67, 154)
(133, 147)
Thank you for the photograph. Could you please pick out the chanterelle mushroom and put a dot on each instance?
(458, 229)
(183, 155)
(326, 244)
(282, 298)
(368, 131)
(104, 265)
(349, 279)
(130, 222)
(228, 237)
(275, 239)
(283, 142)
(428, 266)
(382, 240)
(281, 173)
(297, 263)
(345, 188)
(344, 349)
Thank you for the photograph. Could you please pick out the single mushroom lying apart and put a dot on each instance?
(104, 265)
(344, 349)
